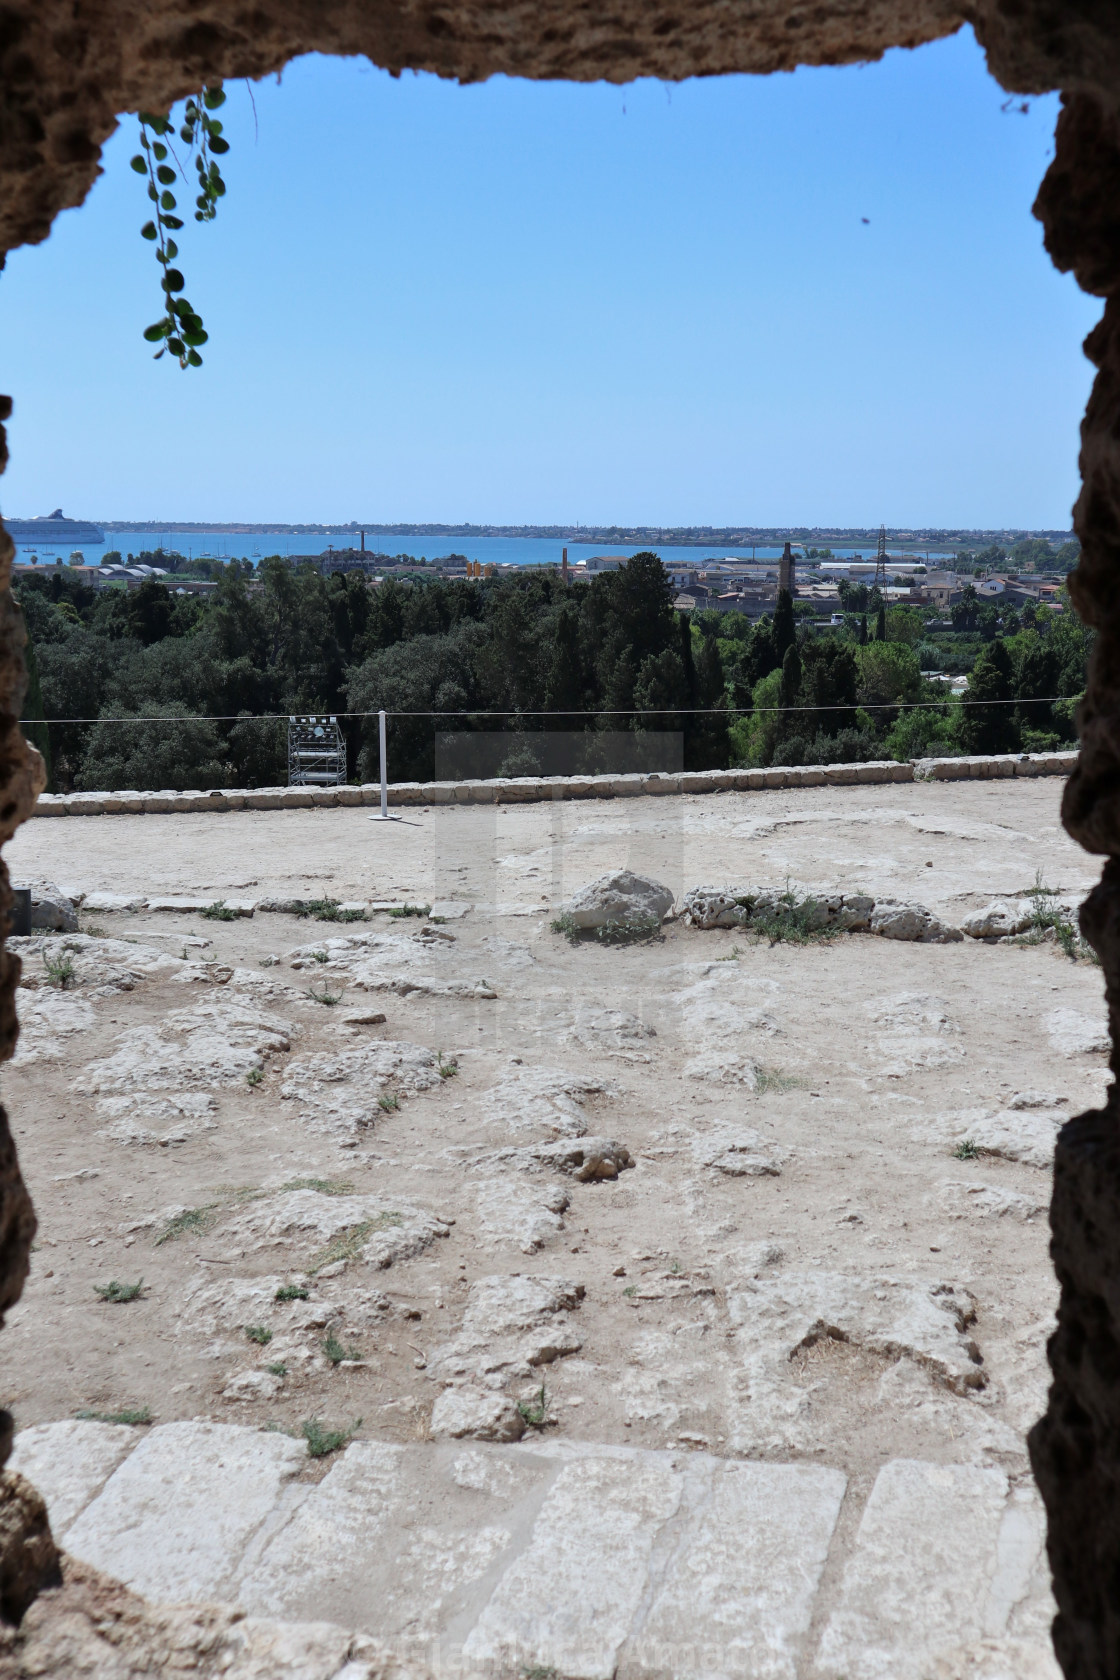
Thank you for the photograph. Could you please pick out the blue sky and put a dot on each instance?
(526, 302)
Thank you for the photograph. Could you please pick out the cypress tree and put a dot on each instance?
(713, 744)
(791, 677)
(863, 631)
(881, 623)
(783, 633)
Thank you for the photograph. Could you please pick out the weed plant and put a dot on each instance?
(336, 1352)
(535, 1411)
(388, 1102)
(330, 910)
(321, 1441)
(292, 1292)
(400, 911)
(324, 995)
(966, 1150)
(254, 1077)
(60, 970)
(791, 920)
(119, 1292)
(277, 1370)
(447, 1069)
(219, 911)
(1049, 916)
(349, 1243)
(259, 1333)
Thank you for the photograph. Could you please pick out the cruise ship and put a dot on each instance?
(53, 530)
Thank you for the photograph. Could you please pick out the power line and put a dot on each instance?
(633, 711)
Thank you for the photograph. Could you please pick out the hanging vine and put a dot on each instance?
(179, 332)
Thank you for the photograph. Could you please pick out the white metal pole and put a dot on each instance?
(384, 815)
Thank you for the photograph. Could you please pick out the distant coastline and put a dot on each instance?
(685, 536)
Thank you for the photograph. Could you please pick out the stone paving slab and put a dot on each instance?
(592, 1561)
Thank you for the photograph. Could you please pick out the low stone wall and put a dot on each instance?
(514, 790)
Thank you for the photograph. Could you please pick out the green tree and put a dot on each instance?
(711, 743)
(149, 612)
(791, 678)
(988, 722)
(564, 689)
(783, 634)
(32, 715)
(881, 623)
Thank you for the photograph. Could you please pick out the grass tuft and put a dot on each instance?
(254, 1077)
(140, 1415)
(219, 911)
(447, 1069)
(279, 1369)
(966, 1150)
(400, 911)
(292, 1292)
(349, 1243)
(325, 995)
(330, 910)
(388, 1102)
(321, 1441)
(197, 1219)
(773, 1079)
(119, 1292)
(1048, 916)
(325, 1186)
(336, 1352)
(259, 1333)
(790, 920)
(535, 1411)
(60, 970)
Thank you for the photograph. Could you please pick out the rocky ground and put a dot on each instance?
(702, 1238)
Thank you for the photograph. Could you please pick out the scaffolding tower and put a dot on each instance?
(316, 752)
(881, 559)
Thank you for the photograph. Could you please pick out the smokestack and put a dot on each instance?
(564, 567)
(363, 542)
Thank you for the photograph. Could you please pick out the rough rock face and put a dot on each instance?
(28, 1555)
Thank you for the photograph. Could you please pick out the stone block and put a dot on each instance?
(109, 902)
(777, 776)
(325, 796)
(941, 1560)
(339, 1530)
(570, 1598)
(449, 910)
(626, 787)
(737, 1598)
(50, 805)
(173, 1521)
(843, 775)
(70, 1462)
(658, 783)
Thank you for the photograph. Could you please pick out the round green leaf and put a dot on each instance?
(172, 222)
(139, 164)
(156, 331)
(167, 201)
(176, 346)
(165, 175)
(213, 97)
(159, 151)
(217, 144)
(194, 358)
(152, 193)
(214, 125)
(148, 231)
(173, 280)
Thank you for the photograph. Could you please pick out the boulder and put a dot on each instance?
(585, 1158)
(621, 897)
(477, 1412)
(893, 920)
(998, 920)
(53, 910)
